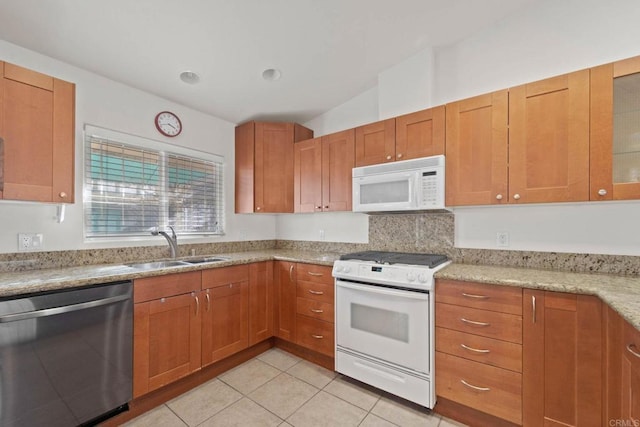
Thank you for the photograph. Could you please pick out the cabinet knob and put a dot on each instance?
(388, 157)
(499, 197)
(318, 207)
(516, 196)
(326, 207)
(258, 208)
(63, 195)
(399, 155)
(602, 192)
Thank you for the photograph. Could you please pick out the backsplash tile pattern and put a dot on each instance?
(426, 233)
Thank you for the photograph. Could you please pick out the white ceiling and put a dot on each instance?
(328, 50)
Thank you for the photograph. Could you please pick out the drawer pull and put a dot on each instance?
(316, 292)
(466, 347)
(631, 349)
(464, 294)
(315, 310)
(311, 273)
(473, 322)
(291, 273)
(318, 337)
(475, 387)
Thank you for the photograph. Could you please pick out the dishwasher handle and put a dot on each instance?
(61, 310)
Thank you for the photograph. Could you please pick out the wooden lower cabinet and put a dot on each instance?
(167, 328)
(304, 306)
(260, 301)
(622, 402)
(479, 351)
(225, 318)
(285, 300)
(562, 359)
(489, 389)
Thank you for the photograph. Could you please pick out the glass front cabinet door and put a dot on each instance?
(615, 131)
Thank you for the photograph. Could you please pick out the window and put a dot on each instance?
(132, 184)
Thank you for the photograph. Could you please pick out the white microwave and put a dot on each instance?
(407, 185)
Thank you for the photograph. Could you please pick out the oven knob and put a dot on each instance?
(422, 278)
(411, 276)
(346, 269)
(339, 268)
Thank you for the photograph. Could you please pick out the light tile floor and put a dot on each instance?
(279, 389)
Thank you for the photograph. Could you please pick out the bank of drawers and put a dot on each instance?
(315, 308)
(479, 347)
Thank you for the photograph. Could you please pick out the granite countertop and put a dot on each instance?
(622, 293)
(17, 283)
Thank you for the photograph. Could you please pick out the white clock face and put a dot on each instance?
(168, 123)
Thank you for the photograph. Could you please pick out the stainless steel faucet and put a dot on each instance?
(172, 240)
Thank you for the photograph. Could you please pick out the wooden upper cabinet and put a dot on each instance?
(264, 166)
(307, 172)
(562, 352)
(322, 173)
(37, 126)
(615, 124)
(549, 140)
(420, 134)
(476, 150)
(376, 143)
(410, 136)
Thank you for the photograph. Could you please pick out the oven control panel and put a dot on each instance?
(418, 277)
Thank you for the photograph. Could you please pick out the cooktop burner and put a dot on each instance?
(382, 257)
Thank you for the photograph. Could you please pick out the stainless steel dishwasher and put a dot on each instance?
(66, 356)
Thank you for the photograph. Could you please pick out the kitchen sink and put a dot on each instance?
(206, 259)
(157, 265)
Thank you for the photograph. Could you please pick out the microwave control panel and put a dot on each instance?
(430, 188)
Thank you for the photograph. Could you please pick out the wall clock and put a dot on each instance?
(168, 124)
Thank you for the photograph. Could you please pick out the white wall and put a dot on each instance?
(551, 37)
(105, 103)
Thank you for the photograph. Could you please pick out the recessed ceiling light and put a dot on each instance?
(189, 77)
(271, 74)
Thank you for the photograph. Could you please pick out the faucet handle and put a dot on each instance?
(154, 231)
(173, 233)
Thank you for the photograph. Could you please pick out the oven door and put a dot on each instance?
(385, 323)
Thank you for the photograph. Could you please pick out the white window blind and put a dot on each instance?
(129, 189)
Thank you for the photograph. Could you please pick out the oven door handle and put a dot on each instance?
(372, 289)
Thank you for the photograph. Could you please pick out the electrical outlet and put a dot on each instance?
(502, 239)
(30, 241)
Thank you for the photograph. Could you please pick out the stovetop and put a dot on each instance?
(383, 257)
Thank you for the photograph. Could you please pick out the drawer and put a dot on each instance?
(315, 291)
(214, 277)
(504, 299)
(314, 273)
(316, 309)
(315, 334)
(502, 326)
(489, 351)
(486, 388)
(151, 288)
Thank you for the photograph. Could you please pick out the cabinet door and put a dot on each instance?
(420, 134)
(285, 300)
(244, 167)
(307, 172)
(549, 140)
(274, 167)
(37, 126)
(615, 123)
(225, 321)
(562, 359)
(260, 301)
(338, 159)
(166, 341)
(631, 374)
(376, 143)
(476, 150)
